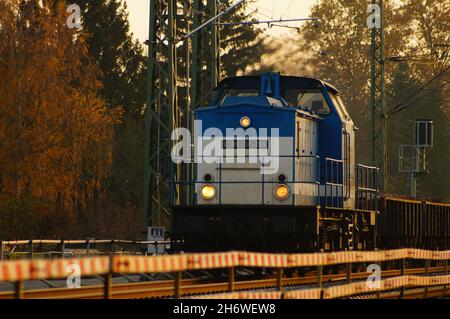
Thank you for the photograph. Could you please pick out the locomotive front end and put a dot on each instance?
(250, 172)
(240, 157)
(273, 170)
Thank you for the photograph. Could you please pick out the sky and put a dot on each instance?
(267, 9)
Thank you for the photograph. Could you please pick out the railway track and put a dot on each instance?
(411, 293)
(192, 287)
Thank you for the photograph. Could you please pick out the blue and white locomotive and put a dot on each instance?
(279, 171)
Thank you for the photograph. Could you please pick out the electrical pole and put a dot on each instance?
(161, 114)
(377, 100)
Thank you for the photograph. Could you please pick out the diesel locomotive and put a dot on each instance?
(274, 170)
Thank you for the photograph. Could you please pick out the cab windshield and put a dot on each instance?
(309, 99)
(236, 92)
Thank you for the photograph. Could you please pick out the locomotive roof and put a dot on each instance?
(291, 81)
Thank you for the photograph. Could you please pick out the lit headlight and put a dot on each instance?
(281, 192)
(208, 192)
(245, 122)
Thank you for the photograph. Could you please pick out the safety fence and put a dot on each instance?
(48, 248)
(41, 269)
(340, 291)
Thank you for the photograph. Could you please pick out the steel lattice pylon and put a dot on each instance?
(377, 100)
(163, 112)
(162, 107)
(205, 54)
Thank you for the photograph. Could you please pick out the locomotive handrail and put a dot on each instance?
(262, 181)
(369, 167)
(246, 182)
(332, 177)
(334, 182)
(334, 160)
(366, 188)
(346, 165)
(437, 204)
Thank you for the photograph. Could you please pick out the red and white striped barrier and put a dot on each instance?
(48, 269)
(228, 295)
(51, 269)
(261, 295)
(213, 261)
(153, 264)
(339, 291)
(243, 295)
(268, 260)
(303, 294)
(364, 287)
(383, 285)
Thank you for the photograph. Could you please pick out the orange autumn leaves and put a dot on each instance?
(56, 135)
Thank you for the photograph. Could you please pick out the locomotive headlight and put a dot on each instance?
(245, 122)
(208, 192)
(281, 192)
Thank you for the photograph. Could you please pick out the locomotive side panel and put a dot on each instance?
(307, 162)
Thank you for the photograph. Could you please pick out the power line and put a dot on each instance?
(269, 22)
(283, 17)
(403, 105)
(268, 10)
(289, 6)
(246, 28)
(221, 14)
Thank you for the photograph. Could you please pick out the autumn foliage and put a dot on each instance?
(56, 134)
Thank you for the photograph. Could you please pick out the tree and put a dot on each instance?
(123, 67)
(338, 51)
(400, 132)
(55, 131)
(242, 46)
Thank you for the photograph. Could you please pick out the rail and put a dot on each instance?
(40, 269)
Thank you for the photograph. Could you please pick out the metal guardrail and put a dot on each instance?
(88, 245)
(20, 271)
